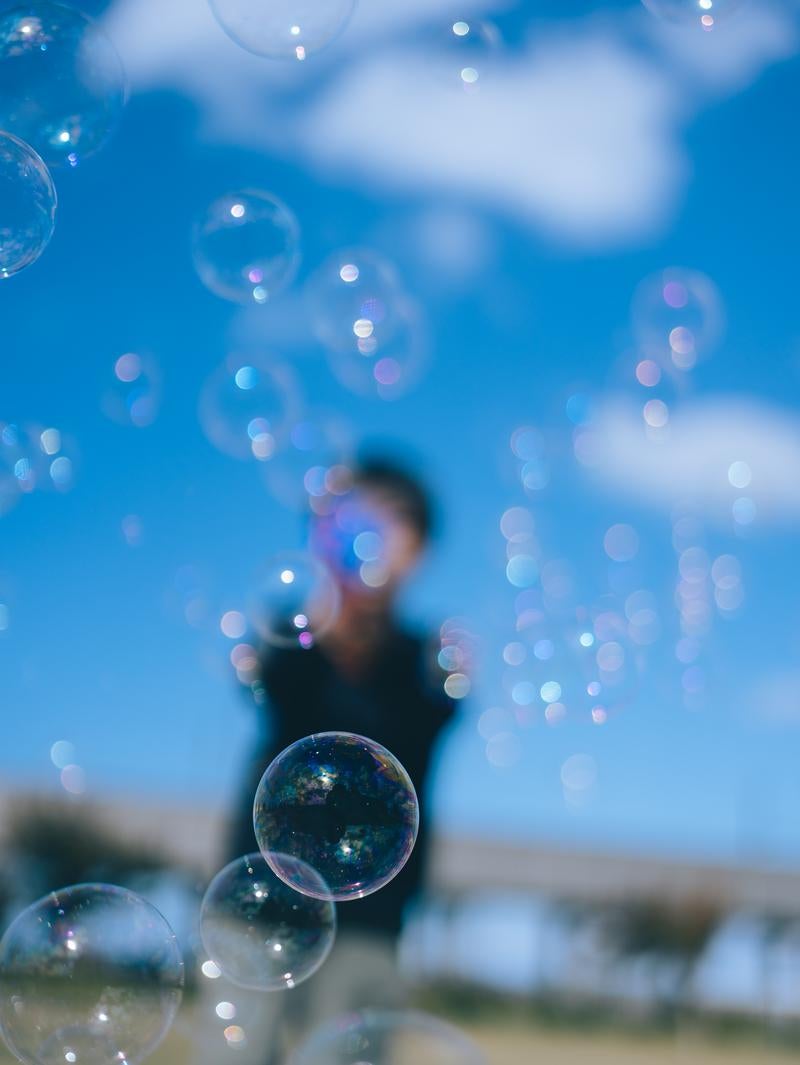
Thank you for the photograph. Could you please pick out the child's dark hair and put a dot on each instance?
(408, 495)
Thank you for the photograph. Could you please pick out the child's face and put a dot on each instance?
(367, 543)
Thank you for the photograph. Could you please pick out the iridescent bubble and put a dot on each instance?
(246, 246)
(62, 86)
(621, 543)
(373, 333)
(678, 319)
(294, 600)
(133, 395)
(27, 205)
(283, 29)
(89, 975)
(247, 407)
(262, 933)
(387, 1037)
(342, 804)
(704, 14)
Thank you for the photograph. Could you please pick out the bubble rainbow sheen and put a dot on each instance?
(342, 804)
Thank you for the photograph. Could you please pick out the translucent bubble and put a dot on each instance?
(470, 50)
(27, 205)
(678, 319)
(246, 246)
(300, 470)
(247, 407)
(37, 458)
(705, 14)
(89, 975)
(133, 392)
(283, 29)
(62, 86)
(344, 805)
(262, 933)
(294, 600)
(387, 1037)
(372, 331)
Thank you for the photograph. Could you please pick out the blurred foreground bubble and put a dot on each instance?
(294, 599)
(678, 318)
(387, 1037)
(89, 975)
(703, 14)
(133, 395)
(27, 205)
(62, 85)
(283, 29)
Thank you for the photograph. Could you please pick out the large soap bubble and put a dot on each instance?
(344, 805)
(246, 246)
(387, 1037)
(294, 600)
(282, 29)
(27, 205)
(62, 86)
(89, 975)
(705, 14)
(261, 932)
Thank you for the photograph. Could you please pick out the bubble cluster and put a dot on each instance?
(62, 86)
(294, 600)
(284, 29)
(34, 458)
(89, 975)
(262, 933)
(704, 14)
(304, 469)
(247, 407)
(387, 1037)
(246, 246)
(342, 804)
(27, 205)
(372, 331)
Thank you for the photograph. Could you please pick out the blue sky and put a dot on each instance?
(523, 238)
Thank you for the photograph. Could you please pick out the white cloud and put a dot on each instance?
(775, 697)
(691, 459)
(578, 134)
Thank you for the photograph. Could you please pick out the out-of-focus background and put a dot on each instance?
(617, 868)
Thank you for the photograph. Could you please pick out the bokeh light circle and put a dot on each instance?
(344, 805)
(387, 1037)
(283, 29)
(89, 975)
(246, 246)
(294, 600)
(62, 85)
(260, 932)
(27, 205)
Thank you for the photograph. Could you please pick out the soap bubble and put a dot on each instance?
(246, 246)
(262, 933)
(344, 805)
(27, 205)
(372, 331)
(387, 1037)
(133, 395)
(38, 458)
(705, 14)
(317, 442)
(89, 975)
(62, 86)
(294, 600)
(247, 407)
(471, 47)
(283, 29)
(677, 317)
